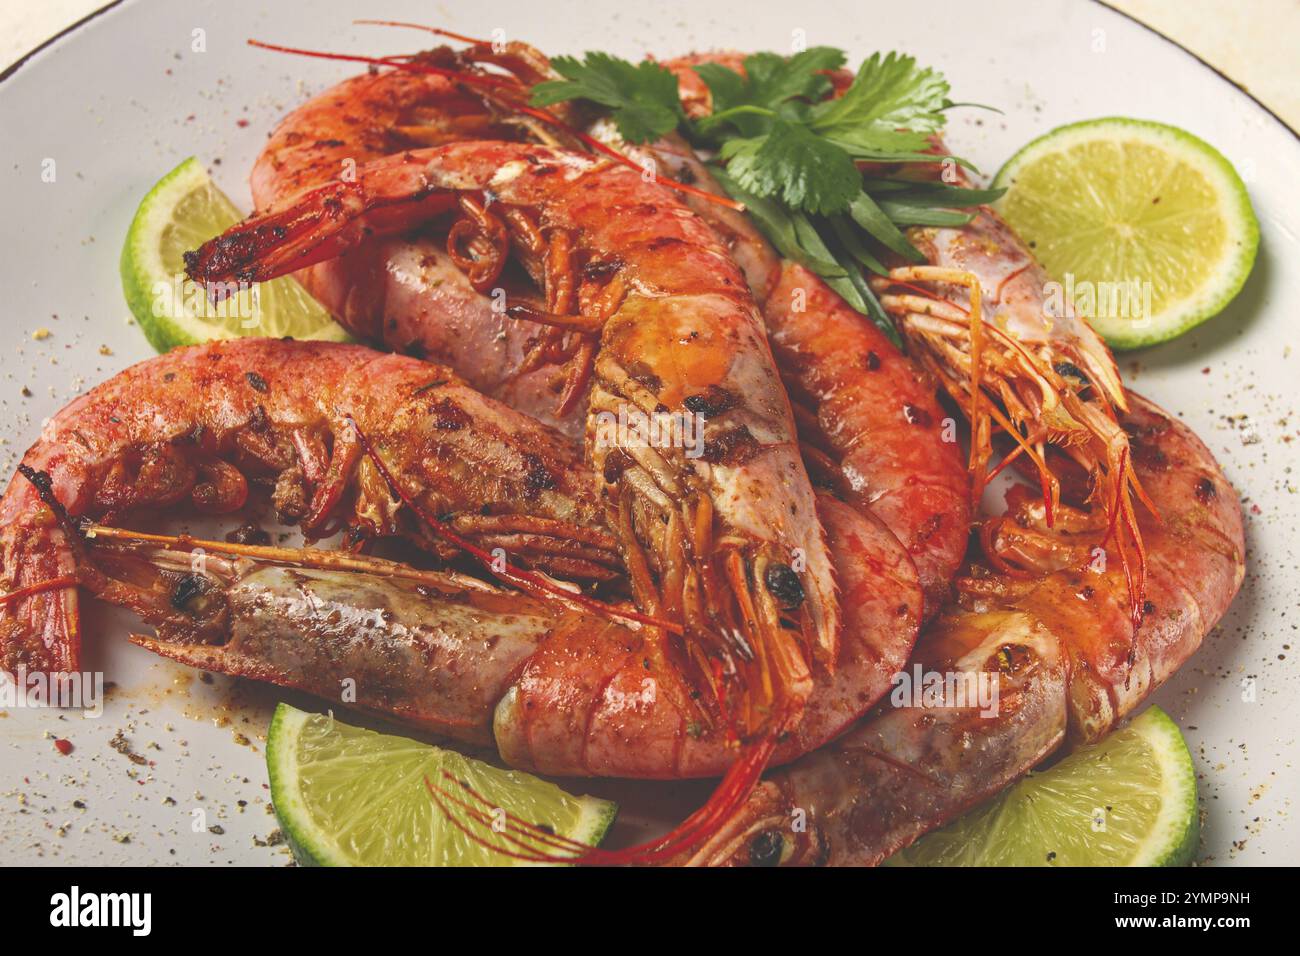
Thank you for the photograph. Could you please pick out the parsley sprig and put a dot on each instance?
(790, 152)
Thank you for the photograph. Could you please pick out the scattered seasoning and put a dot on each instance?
(122, 746)
(63, 746)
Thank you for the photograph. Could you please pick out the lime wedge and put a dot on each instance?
(1129, 800)
(347, 796)
(1147, 228)
(182, 211)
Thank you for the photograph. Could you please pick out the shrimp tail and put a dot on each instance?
(320, 225)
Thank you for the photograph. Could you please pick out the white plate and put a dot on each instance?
(124, 97)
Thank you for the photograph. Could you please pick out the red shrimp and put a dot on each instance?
(1049, 621)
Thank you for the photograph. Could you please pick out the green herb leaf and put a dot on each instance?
(856, 291)
(642, 97)
(778, 224)
(797, 238)
(905, 214)
(892, 105)
(726, 87)
(805, 171)
(750, 103)
(791, 153)
(867, 214)
(929, 193)
(853, 244)
(773, 79)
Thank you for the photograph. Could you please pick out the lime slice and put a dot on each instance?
(1129, 800)
(182, 211)
(1147, 228)
(347, 796)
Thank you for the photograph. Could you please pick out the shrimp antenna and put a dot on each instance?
(44, 485)
(304, 557)
(52, 584)
(437, 31)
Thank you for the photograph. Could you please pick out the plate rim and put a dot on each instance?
(1204, 62)
(17, 64)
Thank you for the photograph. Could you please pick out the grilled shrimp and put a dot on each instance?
(1030, 368)
(869, 419)
(1023, 364)
(869, 422)
(555, 688)
(201, 424)
(557, 681)
(722, 536)
(404, 291)
(339, 434)
(1045, 616)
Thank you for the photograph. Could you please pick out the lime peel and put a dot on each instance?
(1117, 201)
(348, 796)
(182, 211)
(1129, 800)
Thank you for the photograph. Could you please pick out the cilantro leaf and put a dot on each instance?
(642, 97)
(773, 79)
(789, 151)
(807, 172)
(770, 82)
(726, 86)
(891, 106)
